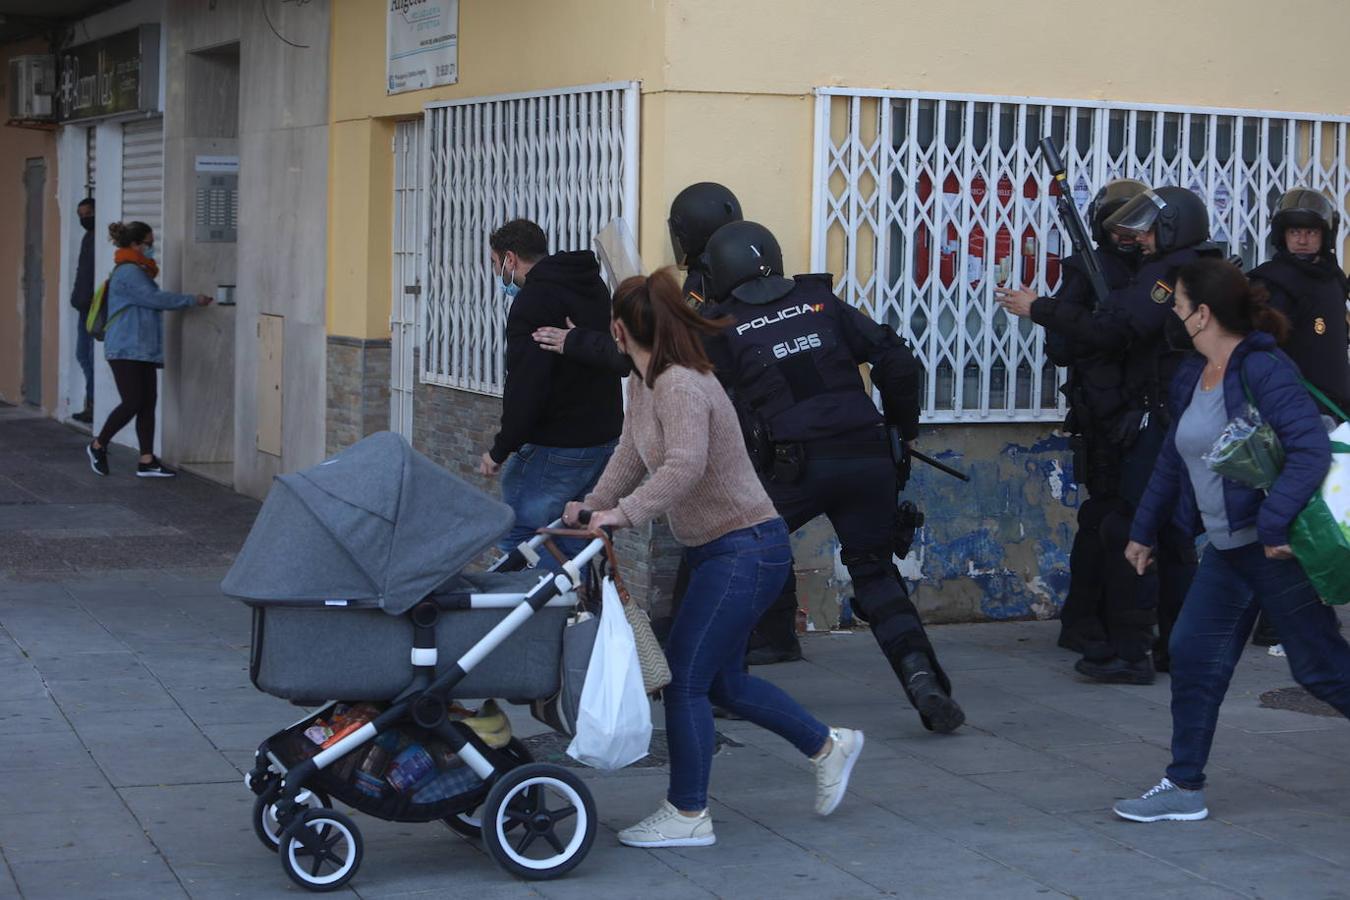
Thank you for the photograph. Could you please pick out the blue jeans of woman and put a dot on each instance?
(1230, 588)
(732, 581)
(537, 482)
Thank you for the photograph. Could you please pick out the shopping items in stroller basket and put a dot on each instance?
(353, 570)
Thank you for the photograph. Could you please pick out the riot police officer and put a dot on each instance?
(1136, 329)
(790, 363)
(1066, 316)
(1306, 283)
(695, 214)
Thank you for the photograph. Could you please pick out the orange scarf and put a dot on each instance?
(128, 255)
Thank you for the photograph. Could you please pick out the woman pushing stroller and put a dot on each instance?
(682, 431)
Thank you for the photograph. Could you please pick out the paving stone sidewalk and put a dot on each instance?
(127, 719)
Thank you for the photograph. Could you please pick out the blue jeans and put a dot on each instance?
(732, 580)
(1230, 587)
(537, 482)
(84, 355)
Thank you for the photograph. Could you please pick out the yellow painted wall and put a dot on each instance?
(505, 46)
(726, 86)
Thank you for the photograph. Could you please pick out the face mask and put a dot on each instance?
(508, 284)
(87, 223)
(1305, 257)
(149, 252)
(1177, 336)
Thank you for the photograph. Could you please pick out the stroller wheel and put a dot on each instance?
(470, 824)
(321, 849)
(538, 821)
(265, 823)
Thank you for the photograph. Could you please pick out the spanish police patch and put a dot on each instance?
(1162, 292)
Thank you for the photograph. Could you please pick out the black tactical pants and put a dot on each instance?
(1134, 603)
(858, 497)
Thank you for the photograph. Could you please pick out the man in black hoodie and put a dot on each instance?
(560, 418)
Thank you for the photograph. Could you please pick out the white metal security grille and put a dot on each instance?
(566, 159)
(409, 267)
(923, 202)
(143, 172)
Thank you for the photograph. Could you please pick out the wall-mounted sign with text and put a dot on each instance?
(422, 40)
(110, 76)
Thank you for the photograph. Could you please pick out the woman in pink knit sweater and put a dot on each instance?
(681, 455)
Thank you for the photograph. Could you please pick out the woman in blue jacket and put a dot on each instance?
(134, 343)
(1248, 566)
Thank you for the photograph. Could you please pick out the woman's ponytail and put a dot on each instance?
(654, 313)
(1264, 316)
(124, 234)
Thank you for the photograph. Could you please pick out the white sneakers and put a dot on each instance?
(668, 827)
(834, 768)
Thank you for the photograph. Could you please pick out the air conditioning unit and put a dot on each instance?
(32, 87)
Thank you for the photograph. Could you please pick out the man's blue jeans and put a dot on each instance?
(732, 581)
(1230, 588)
(537, 482)
(84, 355)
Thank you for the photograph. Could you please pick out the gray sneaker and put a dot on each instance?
(1164, 803)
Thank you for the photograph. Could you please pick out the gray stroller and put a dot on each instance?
(353, 572)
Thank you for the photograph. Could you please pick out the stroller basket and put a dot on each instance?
(308, 654)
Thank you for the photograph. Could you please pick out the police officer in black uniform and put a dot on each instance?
(1096, 460)
(1306, 283)
(790, 363)
(1136, 324)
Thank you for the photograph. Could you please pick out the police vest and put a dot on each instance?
(792, 369)
(1312, 295)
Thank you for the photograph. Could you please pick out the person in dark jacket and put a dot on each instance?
(81, 296)
(1248, 564)
(1306, 283)
(560, 418)
(1066, 316)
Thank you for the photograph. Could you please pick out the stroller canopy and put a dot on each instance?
(379, 521)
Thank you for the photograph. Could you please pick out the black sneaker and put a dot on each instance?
(85, 416)
(154, 469)
(1117, 670)
(98, 459)
(937, 710)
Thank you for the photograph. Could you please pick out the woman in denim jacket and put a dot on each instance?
(1248, 566)
(134, 344)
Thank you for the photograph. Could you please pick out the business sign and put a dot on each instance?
(422, 43)
(110, 76)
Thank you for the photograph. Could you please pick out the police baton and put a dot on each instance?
(940, 466)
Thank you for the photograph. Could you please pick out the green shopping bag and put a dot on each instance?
(1320, 536)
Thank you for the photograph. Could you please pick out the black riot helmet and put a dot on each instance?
(695, 214)
(1178, 215)
(1109, 198)
(1305, 208)
(745, 262)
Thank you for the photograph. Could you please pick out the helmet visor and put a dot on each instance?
(676, 244)
(1138, 215)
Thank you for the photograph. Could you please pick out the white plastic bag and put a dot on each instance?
(614, 722)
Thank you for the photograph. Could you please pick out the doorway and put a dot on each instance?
(34, 184)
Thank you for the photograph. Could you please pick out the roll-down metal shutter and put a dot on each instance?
(143, 172)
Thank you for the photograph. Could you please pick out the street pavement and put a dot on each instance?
(127, 719)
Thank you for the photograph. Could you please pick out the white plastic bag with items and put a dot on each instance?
(614, 721)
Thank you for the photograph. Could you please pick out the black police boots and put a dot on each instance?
(770, 652)
(937, 709)
(1117, 671)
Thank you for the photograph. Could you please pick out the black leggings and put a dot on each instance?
(138, 386)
